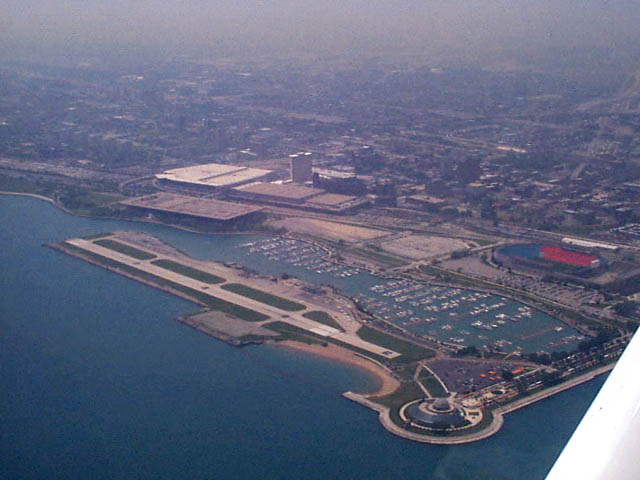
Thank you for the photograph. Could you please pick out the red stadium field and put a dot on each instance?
(558, 254)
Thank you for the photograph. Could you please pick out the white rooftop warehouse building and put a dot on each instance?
(214, 175)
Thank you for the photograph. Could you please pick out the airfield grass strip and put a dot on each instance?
(187, 271)
(409, 351)
(96, 236)
(124, 249)
(263, 297)
(291, 332)
(324, 318)
(214, 303)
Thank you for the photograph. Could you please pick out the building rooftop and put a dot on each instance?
(437, 414)
(284, 191)
(331, 199)
(427, 199)
(198, 172)
(214, 174)
(240, 176)
(197, 207)
(334, 173)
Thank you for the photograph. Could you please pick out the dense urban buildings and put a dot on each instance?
(494, 212)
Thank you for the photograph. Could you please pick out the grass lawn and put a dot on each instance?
(432, 384)
(263, 297)
(188, 271)
(233, 309)
(95, 236)
(11, 184)
(410, 391)
(324, 318)
(407, 392)
(409, 351)
(86, 201)
(214, 303)
(290, 332)
(124, 249)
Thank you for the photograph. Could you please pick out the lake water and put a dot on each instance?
(98, 381)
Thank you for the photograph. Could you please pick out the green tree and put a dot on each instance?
(507, 375)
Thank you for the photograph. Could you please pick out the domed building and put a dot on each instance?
(435, 414)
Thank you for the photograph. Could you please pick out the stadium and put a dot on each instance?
(530, 256)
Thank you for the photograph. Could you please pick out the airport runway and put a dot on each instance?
(293, 318)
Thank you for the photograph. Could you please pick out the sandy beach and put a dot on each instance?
(387, 383)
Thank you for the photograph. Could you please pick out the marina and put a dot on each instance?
(298, 254)
(451, 315)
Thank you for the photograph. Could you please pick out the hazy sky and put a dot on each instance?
(320, 26)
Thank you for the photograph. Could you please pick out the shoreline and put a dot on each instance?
(555, 389)
(141, 220)
(387, 382)
(33, 195)
(539, 305)
(384, 416)
(499, 413)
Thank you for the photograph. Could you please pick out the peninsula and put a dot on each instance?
(422, 394)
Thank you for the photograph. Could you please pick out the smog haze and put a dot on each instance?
(282, 28)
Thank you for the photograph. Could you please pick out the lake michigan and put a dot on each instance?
(97, 381)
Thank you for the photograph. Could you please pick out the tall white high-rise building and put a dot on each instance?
(301, 167)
